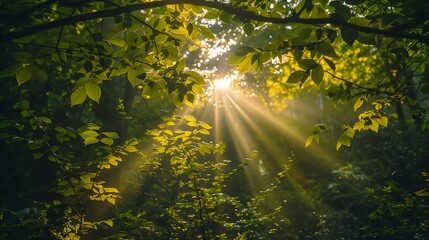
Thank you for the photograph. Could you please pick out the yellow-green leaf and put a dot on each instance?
(78, 96)
(309, 141)
(91, 140)
(190, 118)
(205, 125)
(358, 103)
(207, 32)
(89, 133)
(107, 141)
(23, 75)
(93, 91)
(111, 134)
(204, 131)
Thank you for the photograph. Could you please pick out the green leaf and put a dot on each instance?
(78, 96)
(317, 74)
(107, 141)
(10, 70)
(330, 63)
(212, 14)
(195, 77)
(349, 35)
(45, 120)
(93, 91)
(343, 11)
(90, 140)
(23, 75)
(239, 55)
(225, 17)
(111, 134)
(366, 38)
(246, 64)
(349, 132)
(136, 75)
(307, 63)
(422, 193)
(197, 89)
(89, 133)
(207, 32)
(39, 74)
(23, 57)
(248, 28)
(343, 141)
(326, 49)
(297, 76)
(117, 42)
(191, 98)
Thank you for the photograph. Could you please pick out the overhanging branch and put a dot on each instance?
(211, 4)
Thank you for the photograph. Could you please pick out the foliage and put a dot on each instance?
(184, 190)
(83, 80)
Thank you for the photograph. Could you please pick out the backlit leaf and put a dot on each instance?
(93, 91)
(23, 75)
(317, 74)
(107, 141)
(297, 76)
(78, 96)
(212, 14)
(358, 103)
(207, 32)
(248, 28)
(309, 141)
(326, 49)
(91, 140)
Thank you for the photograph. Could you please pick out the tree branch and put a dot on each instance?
(211, 4)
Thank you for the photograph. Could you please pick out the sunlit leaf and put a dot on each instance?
(190, 118)
(358, 103)
(93, 91)
(89, 133)
(212, 14)
(110, 134)
(107, 141)
(205, 125)
(195, 77)
(309, 140)
(204, 131)
(317, 74)
(78, 96)
(207, 32)
(90, 140)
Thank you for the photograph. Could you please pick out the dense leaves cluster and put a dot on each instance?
(82, 81)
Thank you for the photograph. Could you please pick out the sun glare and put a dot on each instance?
(222, 84)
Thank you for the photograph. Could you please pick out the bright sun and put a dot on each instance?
(222, 84)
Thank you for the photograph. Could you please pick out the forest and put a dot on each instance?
(214, 119)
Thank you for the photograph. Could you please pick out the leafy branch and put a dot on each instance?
(7, 36)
